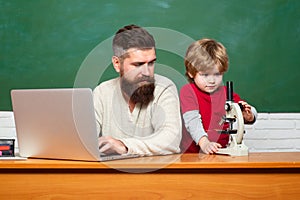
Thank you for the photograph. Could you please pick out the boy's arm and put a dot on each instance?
(190, 113)
(193, 120)
(193, 123)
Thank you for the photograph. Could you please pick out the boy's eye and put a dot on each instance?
(205, 75)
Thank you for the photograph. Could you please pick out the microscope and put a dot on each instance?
(235, 146)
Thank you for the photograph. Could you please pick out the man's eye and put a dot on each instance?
(138, 64)
(151, 63)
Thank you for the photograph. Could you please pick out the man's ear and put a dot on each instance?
(116, 63)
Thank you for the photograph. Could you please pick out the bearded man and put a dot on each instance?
(138, 112)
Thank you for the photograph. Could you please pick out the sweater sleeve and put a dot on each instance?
(193, 123)
(253, 110)
(191, 114)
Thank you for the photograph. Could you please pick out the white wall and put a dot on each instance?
(7, 127)
(272, 132)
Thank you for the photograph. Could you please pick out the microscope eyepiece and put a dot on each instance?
(229, 90)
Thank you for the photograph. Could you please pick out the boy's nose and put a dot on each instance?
(211, 79)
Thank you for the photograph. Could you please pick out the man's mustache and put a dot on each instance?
(145, 78)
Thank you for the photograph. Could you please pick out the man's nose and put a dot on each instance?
(145, 70)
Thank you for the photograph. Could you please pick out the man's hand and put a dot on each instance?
(110, 145)
(207, 146)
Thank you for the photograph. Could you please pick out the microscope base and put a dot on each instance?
(234, 150)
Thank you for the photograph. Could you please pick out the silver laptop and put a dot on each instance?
(57, 124)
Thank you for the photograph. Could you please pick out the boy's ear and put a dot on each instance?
(190, 75)
(116, 63)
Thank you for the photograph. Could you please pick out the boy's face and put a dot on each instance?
(208, 81)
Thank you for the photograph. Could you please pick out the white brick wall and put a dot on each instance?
(7, 127)
(272, 132)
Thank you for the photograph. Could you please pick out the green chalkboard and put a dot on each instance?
(67, 43)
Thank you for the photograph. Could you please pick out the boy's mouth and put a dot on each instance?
(210, 87)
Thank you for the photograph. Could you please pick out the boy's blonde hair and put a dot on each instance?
(203, 55)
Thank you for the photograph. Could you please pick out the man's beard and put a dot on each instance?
(139, 94)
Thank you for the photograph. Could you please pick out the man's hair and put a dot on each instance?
(131, 36)
(204, 55)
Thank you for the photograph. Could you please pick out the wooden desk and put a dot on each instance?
(188, 176)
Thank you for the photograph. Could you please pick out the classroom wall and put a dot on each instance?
(45, 42)
(278, 132)
(274, 132)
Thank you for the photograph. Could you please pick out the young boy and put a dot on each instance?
(203, 99)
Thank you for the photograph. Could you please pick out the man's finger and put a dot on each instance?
(104, 148)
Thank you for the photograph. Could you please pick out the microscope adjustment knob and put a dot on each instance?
(227, 107)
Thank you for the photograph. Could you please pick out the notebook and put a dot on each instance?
(57, 124)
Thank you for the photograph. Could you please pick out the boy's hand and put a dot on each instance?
(207, 146)
(247, 113)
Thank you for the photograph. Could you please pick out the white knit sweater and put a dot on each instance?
(151, 130)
